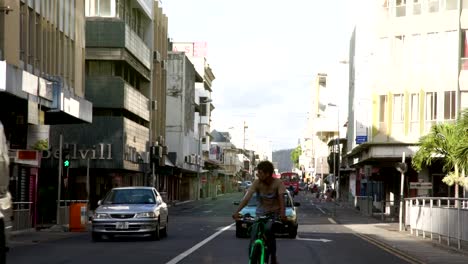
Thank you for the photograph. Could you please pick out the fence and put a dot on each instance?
(22, 215)
(440, 216)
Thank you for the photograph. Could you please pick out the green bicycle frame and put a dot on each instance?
(262, 246)
(259, 241)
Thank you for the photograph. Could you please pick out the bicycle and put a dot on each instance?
(258, 253)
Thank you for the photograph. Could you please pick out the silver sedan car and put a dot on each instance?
(131, 211)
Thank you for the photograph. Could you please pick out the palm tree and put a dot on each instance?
(441, 143)
(462, 151)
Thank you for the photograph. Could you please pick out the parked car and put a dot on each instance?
(244, 186)
(131, 211)
(248, 217)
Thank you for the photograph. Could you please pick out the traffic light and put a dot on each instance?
(66, 158)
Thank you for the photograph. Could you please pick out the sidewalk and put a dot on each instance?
(32, 237)
(387, 235)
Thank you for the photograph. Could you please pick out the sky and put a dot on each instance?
(265, 55)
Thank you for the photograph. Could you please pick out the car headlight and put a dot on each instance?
(146, 215)
(101, 216)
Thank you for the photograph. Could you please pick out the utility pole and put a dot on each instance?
(402, 169)
(59, 185)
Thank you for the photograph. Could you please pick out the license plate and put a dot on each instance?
(122, 225)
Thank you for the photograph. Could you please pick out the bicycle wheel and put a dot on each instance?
(257, 253)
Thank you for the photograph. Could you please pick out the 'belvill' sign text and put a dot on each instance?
(101, 151)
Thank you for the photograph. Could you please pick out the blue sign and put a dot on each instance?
(361, 139)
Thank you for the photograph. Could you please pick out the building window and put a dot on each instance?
(431, 106)
(102, 8)
(414, 111)
(433, 6)
(400, 8)
(449, 105)
(398, 108)
(383, 108)
(383, 113)
(417, 7)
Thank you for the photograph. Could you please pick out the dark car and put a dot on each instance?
(248, 217)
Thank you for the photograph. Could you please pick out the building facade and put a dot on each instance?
(42, 68)
(409, 65)
(114, 149)
(181, 140)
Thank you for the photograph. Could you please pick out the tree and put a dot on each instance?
(441, 143)
(462, 151)
(295, 154)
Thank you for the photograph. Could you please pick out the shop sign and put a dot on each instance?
(100, 152)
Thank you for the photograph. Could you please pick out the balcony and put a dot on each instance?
(114, 92)
(114, 33)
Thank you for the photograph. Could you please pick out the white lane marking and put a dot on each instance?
(332, 221)
(197, 246)
(207, 211)
(323, 212)
(324, 240)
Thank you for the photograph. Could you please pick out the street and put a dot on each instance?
(202, 232)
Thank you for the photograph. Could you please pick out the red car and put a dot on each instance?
(291, 181)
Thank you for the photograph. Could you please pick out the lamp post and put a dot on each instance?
(336, 172)
(243, 146)
(202, 102)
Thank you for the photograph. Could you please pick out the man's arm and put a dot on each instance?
(245, 200)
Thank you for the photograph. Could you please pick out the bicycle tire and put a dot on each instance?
(257, 253)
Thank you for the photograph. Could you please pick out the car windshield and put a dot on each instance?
(253, 201)
(130, 196)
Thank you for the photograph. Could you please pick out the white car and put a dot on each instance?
(131, 211)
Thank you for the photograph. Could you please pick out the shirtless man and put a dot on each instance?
(270, 194)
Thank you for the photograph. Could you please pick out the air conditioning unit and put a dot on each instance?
(156, 56)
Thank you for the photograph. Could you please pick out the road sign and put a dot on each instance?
(361, 139)
(421, 185)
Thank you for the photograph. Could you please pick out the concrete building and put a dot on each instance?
(196, 53)
(42, 69)
(410, 66)
(181, 140)
(163, 167)
(114, 149)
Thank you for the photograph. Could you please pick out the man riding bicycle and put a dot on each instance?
(269, 192)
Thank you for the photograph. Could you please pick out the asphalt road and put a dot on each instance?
(202, 232)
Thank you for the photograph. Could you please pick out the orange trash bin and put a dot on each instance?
(77, 217)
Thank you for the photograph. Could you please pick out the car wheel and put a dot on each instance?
(156, 235)
(164, 231)
(96, 237)
(293, 232)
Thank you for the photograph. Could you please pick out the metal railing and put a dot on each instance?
(22, 215)
(443, 217)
